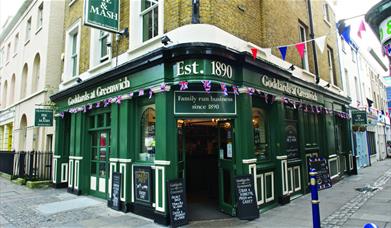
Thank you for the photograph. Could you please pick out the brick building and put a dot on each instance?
(137, 105)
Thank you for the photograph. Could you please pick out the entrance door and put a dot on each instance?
(225, 164)
(99, 162)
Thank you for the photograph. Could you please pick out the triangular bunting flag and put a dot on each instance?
(254, 52)
(300, 48)
(283, 51)
(320, 42)
(346, 34)
(360, 29)
(268, 51)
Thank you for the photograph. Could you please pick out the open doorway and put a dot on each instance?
(202, 141)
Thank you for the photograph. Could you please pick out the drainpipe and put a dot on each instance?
(312, 36)
(195, 17)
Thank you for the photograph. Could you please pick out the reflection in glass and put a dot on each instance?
(259, 128)
(148, 142)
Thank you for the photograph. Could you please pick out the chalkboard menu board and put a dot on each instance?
(177, 203)
(116, 191)
(322, 168)
(142, 184)
(247, 208)
(292, 144)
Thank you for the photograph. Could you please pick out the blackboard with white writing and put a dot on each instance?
(322, 168)
(177, 203)
(247, 208)
(116, 191)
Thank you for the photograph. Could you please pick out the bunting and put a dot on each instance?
(283, 51)
(300, 48)
(254, 52)
(321, 43)
(361, 28)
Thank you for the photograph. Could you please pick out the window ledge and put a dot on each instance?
(70, 79)
(27, 41)
(144, 44)
(71, 3)
(39, 29)
(99, 66)
(336, 87)
(327, 22)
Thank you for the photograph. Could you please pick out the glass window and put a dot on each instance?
(149, 15)
(28, 29)
(303, 38)
(40, 16)
(16, 43)
(148, 140)
(291, 133)
(74, 54)
(260, 133)
(103, 38)
(332, 74)
(326, 12)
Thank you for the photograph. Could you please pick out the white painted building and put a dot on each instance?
(362, 71)
(30, 65)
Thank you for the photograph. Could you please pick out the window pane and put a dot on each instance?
(108, 119)
(100, 120)
(94, 155)
(259, 128)
(102, 169)
(155, 21)
(148, 142)
(93, 168)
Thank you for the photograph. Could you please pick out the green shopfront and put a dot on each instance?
(199, 112)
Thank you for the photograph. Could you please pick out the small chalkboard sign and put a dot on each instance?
(116, 191)
(142, 184)
(247, 208)
(322, 168)
(177, 203)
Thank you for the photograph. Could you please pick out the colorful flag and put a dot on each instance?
(183, 85)
(300, 48)
(235, 89)
(346, 34)
(207, 85)
(283, 51)
(360, 29)
(224, 89)
(254, 52)
(320, 42)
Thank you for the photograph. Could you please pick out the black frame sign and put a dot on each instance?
(142, 184)
(43, 117)
(177, 203)
(116, 191)
(323, 175)
(359, 118)
(292, 144)
(247, 208)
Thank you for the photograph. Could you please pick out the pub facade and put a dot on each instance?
(202, 113)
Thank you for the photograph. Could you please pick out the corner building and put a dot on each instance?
(147, 114)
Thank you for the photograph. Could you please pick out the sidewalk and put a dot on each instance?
(340, 206)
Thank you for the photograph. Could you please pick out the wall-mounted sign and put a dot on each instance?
(142, 184)
(245, 194)
(292, 144)
(121, 84)
(288, 88)
(203, 103)
(102, 14)
(43, 117)
(359, 117)
(203, 67)
(177, 203)
(385, 30)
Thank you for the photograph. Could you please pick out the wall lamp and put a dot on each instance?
(165, 40)
(292, 67)
(79, 80)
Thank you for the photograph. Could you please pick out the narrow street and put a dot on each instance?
(341, 206)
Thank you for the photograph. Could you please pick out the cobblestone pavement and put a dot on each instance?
(341, 215)
(340, 206)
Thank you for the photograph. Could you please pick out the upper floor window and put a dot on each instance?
(330, 60)
(72, 49)
(100, 48)
(16, 43)
(303, 38)
(326, 12)
(40, 16)
(8, 51)
(149, 22)
(28, 29)
(149, 14)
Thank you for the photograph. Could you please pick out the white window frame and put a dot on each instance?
(16, 43)
(40, 17)
(271, 198)
(304, 39)
(28, 30)
(68, 66)
(8, 52)
(136, 25)
(331, 65)
(326, 13)
(96, 60)
(296, 169)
